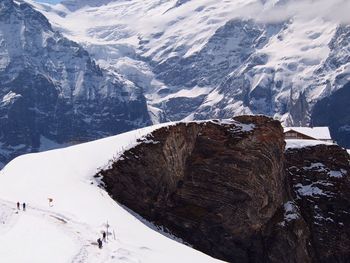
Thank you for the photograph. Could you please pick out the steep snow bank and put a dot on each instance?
(79, 211)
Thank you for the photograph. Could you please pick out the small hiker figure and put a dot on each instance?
(104, 236)
(18, 206)
(99, 242)
(24, 206)
(50, 202)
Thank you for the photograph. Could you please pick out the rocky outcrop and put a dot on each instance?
(321, 187)
(220, 186)
(231, 190)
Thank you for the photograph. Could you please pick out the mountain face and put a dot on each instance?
(231, 190)
(215, 59)
(51, 90)
(335, 112)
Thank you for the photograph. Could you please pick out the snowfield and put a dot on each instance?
(304, 143)
(67, 230)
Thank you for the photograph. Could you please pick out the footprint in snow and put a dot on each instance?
(145, 248)
(122, 251)
(128, 260)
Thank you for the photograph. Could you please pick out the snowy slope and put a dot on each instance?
(205, 59)
(67, 231)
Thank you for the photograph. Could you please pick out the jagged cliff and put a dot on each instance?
(231, 190)
(220, 185)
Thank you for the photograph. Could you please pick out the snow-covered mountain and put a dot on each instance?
(201, 59)
(66, 229)
(51, 90)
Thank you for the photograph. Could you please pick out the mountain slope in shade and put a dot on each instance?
(67, 230)
(52, 91)
(335, 112)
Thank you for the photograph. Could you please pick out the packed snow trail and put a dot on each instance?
(67, 230)
(72, 238)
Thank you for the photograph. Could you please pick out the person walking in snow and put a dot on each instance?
(18, 206)
(104, 236)
(50, 202)
(99, 242)
(24, 206)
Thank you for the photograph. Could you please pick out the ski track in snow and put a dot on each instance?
(79, 232)
(7, 217)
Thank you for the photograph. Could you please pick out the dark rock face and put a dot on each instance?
(320, 179)
(219, 186)
(334, 111)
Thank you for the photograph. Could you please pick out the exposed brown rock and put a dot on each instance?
(221, 187)
(321, 186)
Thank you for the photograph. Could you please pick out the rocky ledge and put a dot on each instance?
(222, 187)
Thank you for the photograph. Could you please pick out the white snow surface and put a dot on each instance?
(9, 98)
(337, 174)
(319, 133)
(319, 167)
(291, 212)
(309, 190)
(67, 231)
(304, 143)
